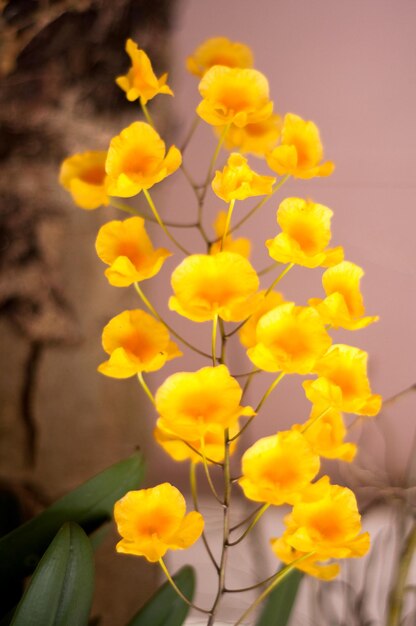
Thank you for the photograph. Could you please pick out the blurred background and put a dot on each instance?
(349, 67)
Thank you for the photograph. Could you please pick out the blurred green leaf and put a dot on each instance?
(165, 607)
(279, 604)
(61, 589)
(90, 505)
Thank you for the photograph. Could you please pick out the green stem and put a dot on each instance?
(212, 162)
(251, 525)
(194, 492)
(170, 329)
(279, 278)
(147, 114)
(223, 341)
(260, 404)
(244, 589)
(397, 594)
(146, 388)
(191, 131)
(247, 519)
(207, 474)
(277, 579)
(268, 269)
(191, 447)
(226, 529)
(178, 591)
(268, 392)
(259, 204)
(315, 419)
(162, 224)
(214, 339)
(227, 223)
(122, 206)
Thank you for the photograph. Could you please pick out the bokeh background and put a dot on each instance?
(348, 66)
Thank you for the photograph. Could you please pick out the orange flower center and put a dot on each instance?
(217, 290)
(282, 472)
(155, 522)
(93, 176)
(293, 341)
(132, 252)
(140, 345)
(328, 524)
(223, 59)
(234, 97)
(344, 377)
(304, 232)
(136, 162)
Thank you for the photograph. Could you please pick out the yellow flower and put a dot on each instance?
(258, 138)
(126, 247)
(83, 175)
(277, 469)
(343, 307)
(310, 565)
(325, 432)
(300, 152)
(234, 95)
(190, 404)
(140, 81)
(224, 284)
(328, 525)
(136, 342)
(136, 160)
(343, 382)
(219, 51)
(306, 233)
(242, 245)
(211, 445)
(238, 181)
(268, 301)
(153, 521)
(290, 339)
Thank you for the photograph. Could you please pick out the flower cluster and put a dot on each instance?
(201, 415)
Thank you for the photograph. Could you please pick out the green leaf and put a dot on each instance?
(165, 607)
(90, 505)
(279, 604)
(61, 589)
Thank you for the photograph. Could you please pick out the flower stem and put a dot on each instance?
(275, 581)
(213, 161)
(194, 492)
(268, 392)
(207, 474)
(162, 224)
(259, 204)
(251, 525)
(397, 594)
(227, 223)
(190, 134)
(315, 419)
(268, 269)
(279, 278)
(260, 404)
(170, 329)
(122, 206)
(247, 519)
(214, 339)
(146, 113)
(226, 528)
(146, 388)
(178, 591)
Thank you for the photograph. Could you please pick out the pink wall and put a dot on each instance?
(350, 67)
